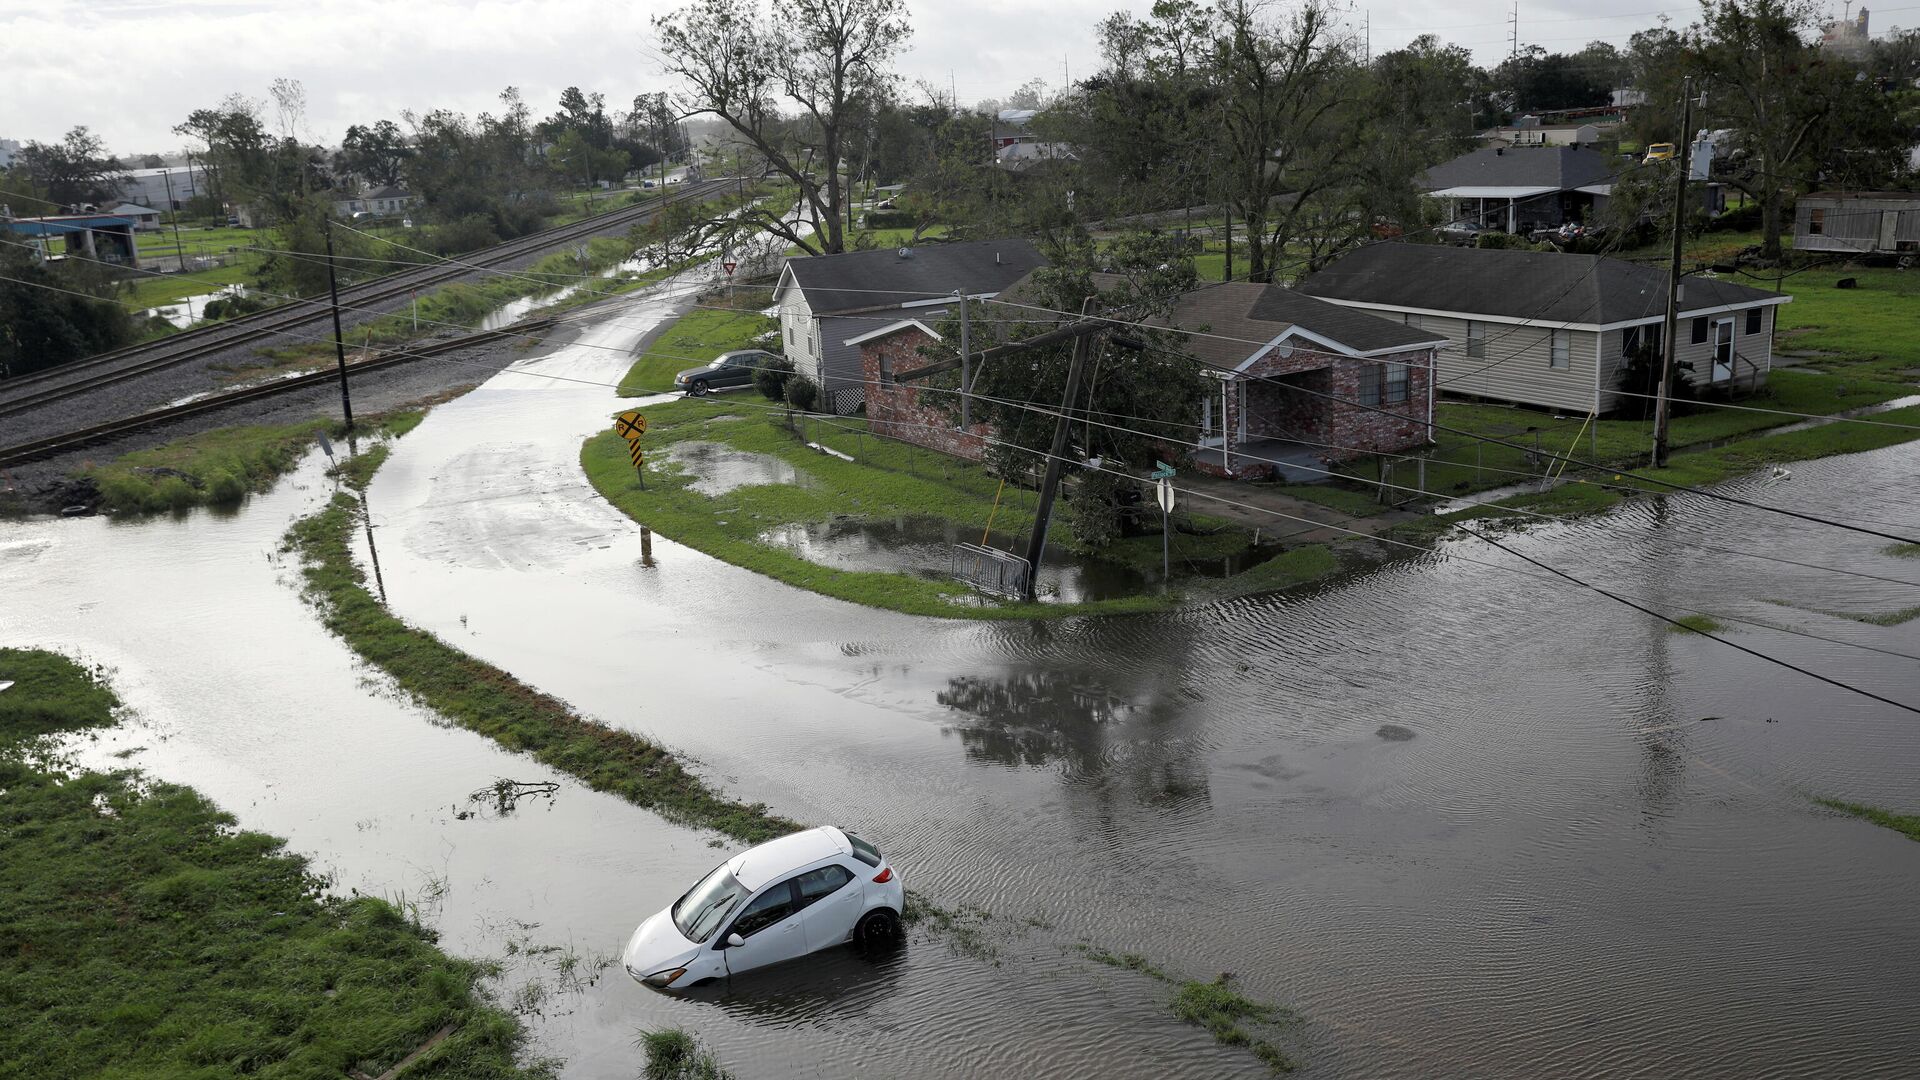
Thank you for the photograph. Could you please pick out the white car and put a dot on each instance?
(786, 898)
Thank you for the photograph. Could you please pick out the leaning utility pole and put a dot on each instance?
(1043, 511)
(339, 347)
(1670, 333)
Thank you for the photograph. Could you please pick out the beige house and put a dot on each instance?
(1552, 329)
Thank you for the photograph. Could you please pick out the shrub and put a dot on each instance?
(802, 393)
(771, 378)
(889, 219)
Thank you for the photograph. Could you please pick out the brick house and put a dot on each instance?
(896, 409)
(1300, 383)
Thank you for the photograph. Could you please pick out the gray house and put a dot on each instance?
(826, 301)
(1556, 330)
(1523, 188)
(1863, 222)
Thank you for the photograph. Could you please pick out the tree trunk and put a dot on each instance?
(1770, 224)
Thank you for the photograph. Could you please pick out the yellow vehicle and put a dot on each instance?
(1660, 151)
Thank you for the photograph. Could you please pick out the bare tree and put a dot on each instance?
(822, 55)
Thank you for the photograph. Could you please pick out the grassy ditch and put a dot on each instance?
(1226, 1013)
(886, 480)
(675, 1054)
(220, 467)
(490, 702)
(1907, 825)
(145, 936)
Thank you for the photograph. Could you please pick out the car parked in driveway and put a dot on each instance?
(787, 898)
(1463, 232)
(730, 369)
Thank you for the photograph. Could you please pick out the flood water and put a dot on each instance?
(1467, 821)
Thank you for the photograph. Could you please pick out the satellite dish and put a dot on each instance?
(1284, 349)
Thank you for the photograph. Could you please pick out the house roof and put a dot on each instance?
(1552, 168)
(1889, 196)
(893, 328)
(864, 280)
(1536, 286)
(133, 208)
(388, 191)
(1233, 322)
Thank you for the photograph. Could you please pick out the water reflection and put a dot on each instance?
(1061, 719)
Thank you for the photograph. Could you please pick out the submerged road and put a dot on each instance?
(1466, 822)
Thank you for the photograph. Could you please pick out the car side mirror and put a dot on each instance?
(734, 941)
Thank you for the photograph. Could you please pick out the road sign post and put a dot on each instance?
(630, 425)
(1163, 492)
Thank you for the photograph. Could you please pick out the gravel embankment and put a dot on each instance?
(48, 485)
(160, 388)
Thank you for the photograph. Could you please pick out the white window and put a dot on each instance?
(1396, 383)
(1561, 348)
(1477, 340)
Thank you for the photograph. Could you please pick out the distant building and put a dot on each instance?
(145, 218)
(1520, 190)
(106, 238)
(382, 201)
(1862, 222)
(168, 188)
(9, 149)
(1532, 131)
(1847, 38)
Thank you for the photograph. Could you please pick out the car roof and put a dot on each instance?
(774, 859)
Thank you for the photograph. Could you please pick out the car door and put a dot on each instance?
(829, 905)
(770, 923)
(740, 368)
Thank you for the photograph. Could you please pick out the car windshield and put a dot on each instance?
(699, 913)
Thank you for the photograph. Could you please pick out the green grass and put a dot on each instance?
(145, 936)
(145, 291)
(1907, 825)
(692, 341)
(220, 467)
(1902, 551)
(1216, 1006)
(673, 1054)
(1296, 566)
(1873, 325)
(200, 240)
(489, 701)
(1696, 624)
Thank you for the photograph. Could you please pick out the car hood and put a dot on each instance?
(692, 371)
(656, 946)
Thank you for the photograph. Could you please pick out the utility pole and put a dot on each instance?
(339, 347)
(1670, 331)
(966, 364)
(1050, 483)
(1228, 204)
(179, 249)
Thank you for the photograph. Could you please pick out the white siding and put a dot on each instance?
(1516, 366)
(799, 334)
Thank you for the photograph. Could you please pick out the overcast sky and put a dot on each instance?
(131, 69)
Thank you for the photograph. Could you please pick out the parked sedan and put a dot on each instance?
(789, 897)
(1463, 232)
(728, 369)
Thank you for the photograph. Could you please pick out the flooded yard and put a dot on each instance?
(1464, 819)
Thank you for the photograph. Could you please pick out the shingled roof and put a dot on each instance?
(1560, 168)
(1541, 286)
(865, 280)
(1234, 320)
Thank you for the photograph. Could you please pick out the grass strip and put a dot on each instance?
(145, 936)
(1696, 624)
(490, 702)
(674, 1054)
(223, 466)
(1224, 1012)
(1907, 825)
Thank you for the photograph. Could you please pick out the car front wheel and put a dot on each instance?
(699, 388)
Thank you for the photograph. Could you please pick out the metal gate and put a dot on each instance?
(990, 569)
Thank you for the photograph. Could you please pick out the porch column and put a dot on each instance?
(1226, 428)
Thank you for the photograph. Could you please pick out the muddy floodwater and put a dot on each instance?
(1464, 819)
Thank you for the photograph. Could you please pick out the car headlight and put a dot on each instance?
(664, 978)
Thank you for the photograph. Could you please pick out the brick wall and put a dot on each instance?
(895, 409)
(1344, 431)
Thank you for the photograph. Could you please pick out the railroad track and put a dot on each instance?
(82, 437)
(29, 392)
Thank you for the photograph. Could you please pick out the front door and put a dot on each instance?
(1723, 350)
(771, 927)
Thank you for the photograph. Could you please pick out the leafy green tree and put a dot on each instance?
(377, 153)
(51, 315)
(75, 170)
